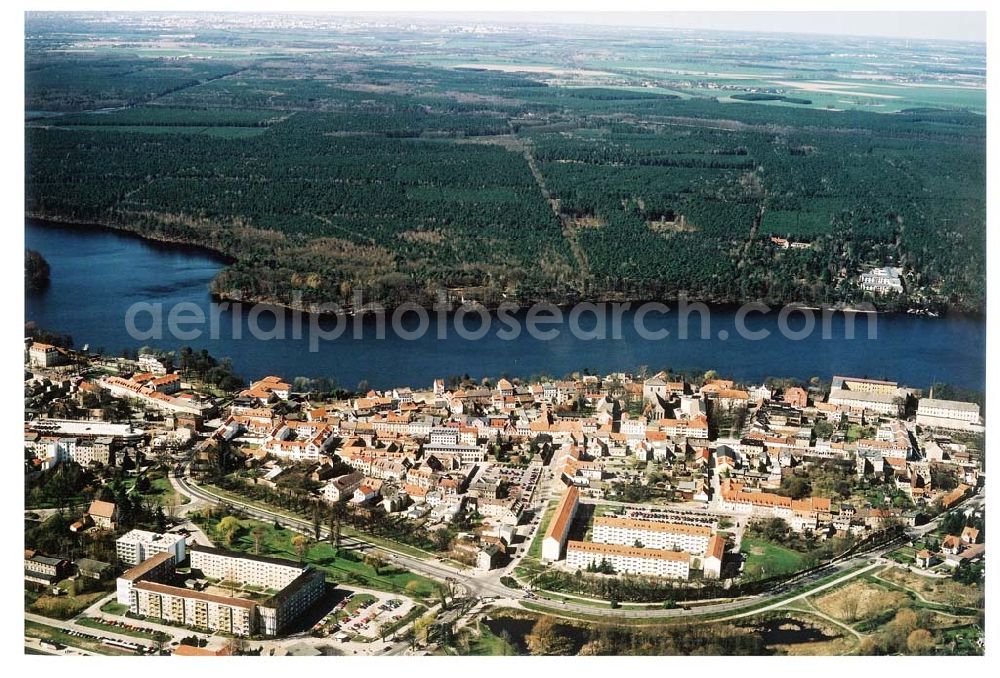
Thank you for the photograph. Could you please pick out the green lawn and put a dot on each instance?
(346, 530)
(165, 494)
(339, 567)
(535, 550)
(688, 619)
(61, 607)
(115, 608)
(904, 554)
(768, 559)
(101, 626)
(489, 644)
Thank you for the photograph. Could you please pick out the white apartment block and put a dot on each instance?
(139, 545)
(629, 559)
(268, 573)
(874, 401)
(342, 488)
(652, 535)
(882, 280)
(952, 414)
(150, 363)
(191, 608)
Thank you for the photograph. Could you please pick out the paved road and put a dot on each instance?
(482, 584)
(70, 625)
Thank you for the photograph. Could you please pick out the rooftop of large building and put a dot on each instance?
(146, 566)
(627, 551)
(196, 595)
(653, 526)
(245, 556)
(564, 513)
(947, 405)
(148, 537)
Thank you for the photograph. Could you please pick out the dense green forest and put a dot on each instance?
(324, 177)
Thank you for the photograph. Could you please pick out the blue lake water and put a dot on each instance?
(97, 275)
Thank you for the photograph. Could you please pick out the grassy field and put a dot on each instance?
(708, 617)
(346, 530)
(768, 558)
(488, 644)
(60, 607)
(859, 600)
(338, 566)
(944, 592)
(102, 626)
(115, 608)
(535, 550)
(165, 494)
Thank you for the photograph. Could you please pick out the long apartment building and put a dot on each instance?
(193, 608)
(149, 590)
(800, 514)
(629, 559)
(875, 395)
(558, 531)
(261, 571)
(652, 535)
(951, 414)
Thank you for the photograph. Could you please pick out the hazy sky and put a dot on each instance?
(927, 25)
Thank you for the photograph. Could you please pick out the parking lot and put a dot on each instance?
(362, 614)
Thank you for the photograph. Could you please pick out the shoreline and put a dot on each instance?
(49, 221)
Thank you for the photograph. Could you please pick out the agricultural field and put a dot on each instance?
(343, 166)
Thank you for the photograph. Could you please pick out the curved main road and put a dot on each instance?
(486, 583)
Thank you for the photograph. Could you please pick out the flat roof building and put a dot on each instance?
(629, 559)
(138, 545)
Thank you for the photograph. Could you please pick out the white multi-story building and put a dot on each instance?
(951, 414)
(139, 545)
(882, 280)
(558, 530)
(874, 401)
(152, 364)
(299, 440)
(715, 552)
(633, 427)
(656, 535)
(629, 559)
(267, 573)
(143, 590)
(342, 488)
(44, 355)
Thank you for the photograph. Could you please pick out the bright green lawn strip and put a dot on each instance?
(115, 608)
(345, 530)
(488, 644)
(101, 626)
(535, 550)
(768, 558)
